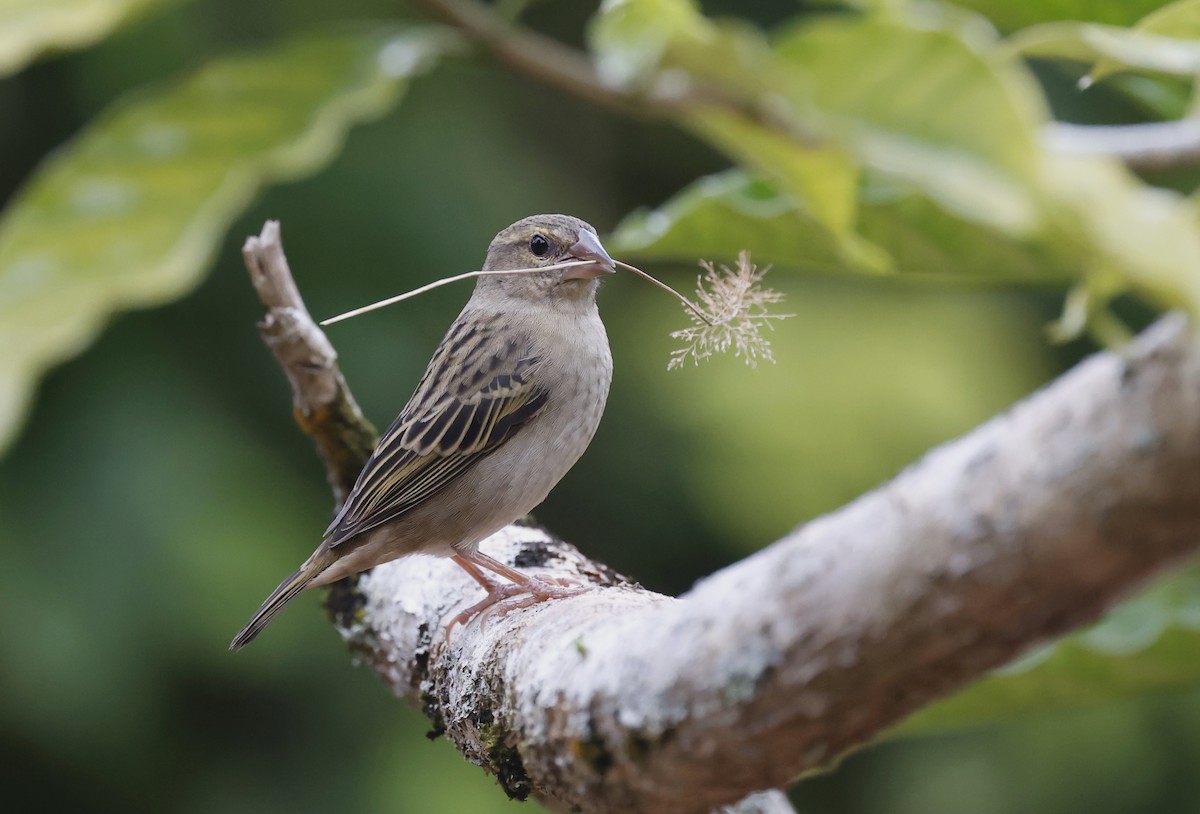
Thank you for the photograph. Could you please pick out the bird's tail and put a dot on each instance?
(286, 591)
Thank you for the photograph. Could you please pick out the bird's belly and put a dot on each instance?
(501, 488)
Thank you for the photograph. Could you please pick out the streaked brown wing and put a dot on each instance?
(447, 427)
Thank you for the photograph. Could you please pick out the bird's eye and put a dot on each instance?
(539, 246)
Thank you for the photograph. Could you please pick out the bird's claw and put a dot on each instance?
(504, 598)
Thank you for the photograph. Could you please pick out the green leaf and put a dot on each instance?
(820, 181)
(1147, 644)
(129, 213)
(944, 110)
(30, 28)
(929, 105)
(1147, 236)
(718, 216)
(630, 38)
(944, 126)
(1009, 15)
(1112, 48)
(919, 99)
(1179, 20)
(642, 44)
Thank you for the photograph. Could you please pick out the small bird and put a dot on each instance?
(508, 403)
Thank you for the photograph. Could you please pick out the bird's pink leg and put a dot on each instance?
(502, 598)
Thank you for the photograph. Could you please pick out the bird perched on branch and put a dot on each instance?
(508, 403)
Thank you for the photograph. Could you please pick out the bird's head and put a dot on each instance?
(547, 240)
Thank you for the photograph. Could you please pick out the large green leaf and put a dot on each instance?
(718, 216)
(1010, 15)
(29, 28)
(129, 212)
(1126, 230)
(932, 109)
(942, 107)
(1164, 42)
(915, 99)
(1114, 48)
(927, 103)
(1146, 644)
(644, 45)
(1178, 20)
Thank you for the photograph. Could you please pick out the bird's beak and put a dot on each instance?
(588, 248)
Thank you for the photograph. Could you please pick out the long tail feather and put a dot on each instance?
(274, 603)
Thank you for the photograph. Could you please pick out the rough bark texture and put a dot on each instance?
(625, 700)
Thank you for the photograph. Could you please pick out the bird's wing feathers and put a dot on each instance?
(479, 389)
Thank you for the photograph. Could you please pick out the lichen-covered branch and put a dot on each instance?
(327, 412)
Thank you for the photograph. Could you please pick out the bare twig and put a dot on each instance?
(532, 54)
(322, 404)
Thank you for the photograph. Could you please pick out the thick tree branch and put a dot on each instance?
(625, 700)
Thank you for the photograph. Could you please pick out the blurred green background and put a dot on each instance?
(159, 488)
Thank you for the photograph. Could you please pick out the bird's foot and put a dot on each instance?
(505, 597)
(521, 591)
(516, 597)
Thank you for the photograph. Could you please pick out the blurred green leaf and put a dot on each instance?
(1125, 229)
(29, 28)
(130, 211)
(936, 113)
(819, 180)
(916, 99)
(1009, 15)
(928, 107)
(1115, 49)
(630, 38)
(1147, 644)
(645, 45)
(720, 215)
(924, 100)
(1178, 21)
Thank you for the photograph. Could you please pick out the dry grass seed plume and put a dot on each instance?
(734, 310)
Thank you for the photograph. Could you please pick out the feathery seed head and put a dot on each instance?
(734, 310)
